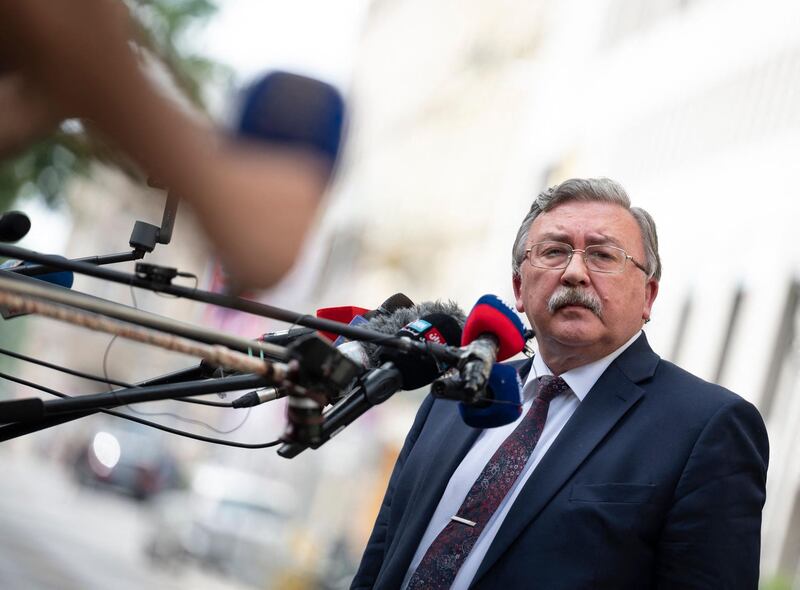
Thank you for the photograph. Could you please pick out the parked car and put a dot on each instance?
(233, 521)
(130, 459)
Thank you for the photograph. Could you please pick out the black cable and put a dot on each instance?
(66, 370)
(160, 414)
(155, 425)
(91, 377)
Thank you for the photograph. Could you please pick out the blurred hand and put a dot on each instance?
(74, 58)
(69, 50)
(27, 114)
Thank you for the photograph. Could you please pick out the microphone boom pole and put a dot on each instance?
(216, 354)
(443, 353)
(35, 409)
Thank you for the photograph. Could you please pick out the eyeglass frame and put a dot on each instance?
(585, 261)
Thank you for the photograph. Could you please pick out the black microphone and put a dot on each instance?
(351, 349)
(391, 305)
(397, 371)
(370, 354)
(390, 324)
(14, 225)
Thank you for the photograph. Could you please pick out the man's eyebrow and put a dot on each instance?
(604, 239)
(597, 238)
(555, 237)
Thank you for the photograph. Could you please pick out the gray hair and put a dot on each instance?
(589, 189)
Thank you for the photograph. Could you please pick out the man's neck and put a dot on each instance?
(560, 359)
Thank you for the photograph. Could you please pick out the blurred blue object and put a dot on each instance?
(293, 111)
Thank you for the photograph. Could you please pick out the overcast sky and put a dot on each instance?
(311, 37)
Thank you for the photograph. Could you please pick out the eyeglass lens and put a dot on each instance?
(556, 255)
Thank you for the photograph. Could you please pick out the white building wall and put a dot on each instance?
(464, 110)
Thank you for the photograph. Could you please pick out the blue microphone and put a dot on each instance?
(502, 403)
(490, 394)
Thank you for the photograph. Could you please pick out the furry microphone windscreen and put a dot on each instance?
(393, 323)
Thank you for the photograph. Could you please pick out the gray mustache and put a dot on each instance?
(564, 296)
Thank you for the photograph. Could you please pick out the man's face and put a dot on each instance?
(574, 335)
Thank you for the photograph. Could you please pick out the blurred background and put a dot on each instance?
(459, 113)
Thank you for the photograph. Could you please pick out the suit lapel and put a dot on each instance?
(607, 402)
(450, 448)
(453, 443)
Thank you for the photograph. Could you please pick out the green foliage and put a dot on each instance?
(776, 583)
(164, 24)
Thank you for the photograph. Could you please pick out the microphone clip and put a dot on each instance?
(322, 372)
(155, 273)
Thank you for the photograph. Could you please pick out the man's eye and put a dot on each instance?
(605, 255)
(553, 251)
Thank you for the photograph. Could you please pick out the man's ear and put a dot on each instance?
(516, 282)
(650, 292)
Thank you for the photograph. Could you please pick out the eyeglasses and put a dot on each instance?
(598, 258)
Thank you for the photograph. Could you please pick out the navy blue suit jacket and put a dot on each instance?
(656, 481)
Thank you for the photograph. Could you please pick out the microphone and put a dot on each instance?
(397, 371)
(405, 312)
(353, 350)
(284, 338)
(417, 372)
(344, 315)
(501, 403)
(348, 314)
(491, 393)
(390, 324)
(385, 309)
(14, 225)
(492, 332)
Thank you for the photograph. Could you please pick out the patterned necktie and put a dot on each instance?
(447, 553)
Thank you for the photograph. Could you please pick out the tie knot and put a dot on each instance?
(550, 387)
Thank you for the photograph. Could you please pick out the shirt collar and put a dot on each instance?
(580, 379)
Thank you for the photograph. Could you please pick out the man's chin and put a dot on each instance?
(576, 329)
(574, 312)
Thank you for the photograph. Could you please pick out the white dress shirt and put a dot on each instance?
(580, 381)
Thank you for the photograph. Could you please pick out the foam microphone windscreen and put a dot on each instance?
(14, 225)
(491, 316)
(418, 370)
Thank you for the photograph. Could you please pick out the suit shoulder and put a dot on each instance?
(684, 387)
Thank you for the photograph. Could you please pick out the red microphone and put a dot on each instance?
(493, 332)
(343, 314)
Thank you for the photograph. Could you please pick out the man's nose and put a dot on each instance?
(576, 272)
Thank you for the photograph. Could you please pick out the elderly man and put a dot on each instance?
(624, 471)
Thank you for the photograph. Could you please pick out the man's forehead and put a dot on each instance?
(595, 219)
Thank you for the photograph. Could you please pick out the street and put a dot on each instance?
(57, 535)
